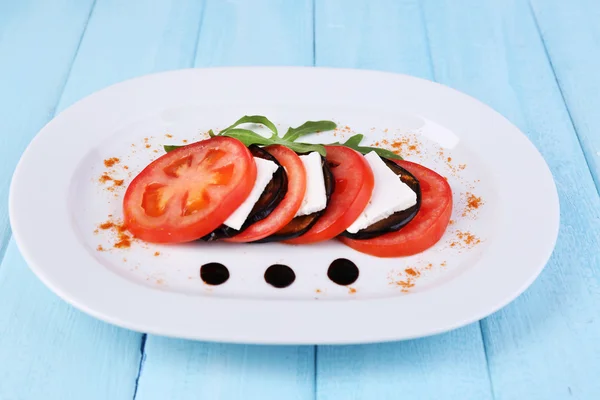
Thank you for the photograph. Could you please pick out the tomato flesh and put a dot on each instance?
(425, 230)
(353, 188)
(189, 192)
(289, 206)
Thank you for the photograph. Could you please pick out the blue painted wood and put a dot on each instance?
(180, 369)
(266, 32)
(37, 45)
(545, 344)
(390, 35)
(48, 349)
(263, 32)
(128, 39)
(571, 34)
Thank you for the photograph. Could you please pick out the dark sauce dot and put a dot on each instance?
(343, 272)
(280, 276)
(214, 273)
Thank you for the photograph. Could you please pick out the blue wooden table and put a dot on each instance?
(537, 62)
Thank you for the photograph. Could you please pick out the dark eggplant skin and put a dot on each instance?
(300, 225)
(399, 219)
(269, 199)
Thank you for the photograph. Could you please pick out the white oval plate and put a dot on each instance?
(488, 256)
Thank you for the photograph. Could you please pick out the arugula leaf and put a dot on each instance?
(171, 147)
(305, 147)
(354, 140)
(247, 137)
(308, 127)
(381, 152)
(252, 119)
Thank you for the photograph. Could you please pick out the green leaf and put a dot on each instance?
(247, 137)
(252, 119)
(354, 141)
(308, 127)
(171, 147)
(381, 152)
(305, 147)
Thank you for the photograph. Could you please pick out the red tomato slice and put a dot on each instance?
(289, 206)
(425, 230)
(189, 192)
(353, 188)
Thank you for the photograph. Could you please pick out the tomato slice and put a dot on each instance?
(353, 188)
(289, 206)
(189, 192)
(425, 230)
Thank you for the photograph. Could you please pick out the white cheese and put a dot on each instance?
(264, 173)
(390, 195)
(315, 198)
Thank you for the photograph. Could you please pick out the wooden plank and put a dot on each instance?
(390, 35)
(266, 32)
(263, 32)
(544, 345)
(571, 34)
(37, 46)
(180, 369)
(48, 349)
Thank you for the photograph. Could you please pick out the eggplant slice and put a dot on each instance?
(300, 225)
(269, 199)
(397, 220)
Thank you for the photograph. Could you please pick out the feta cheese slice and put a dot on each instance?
(390, 195)
(315, 198)
(264, 173)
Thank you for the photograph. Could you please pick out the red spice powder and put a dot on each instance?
(169, 135)
(465, 239)
(107, 225)
(156, 254)
(124, 239)
(100, 248)
(405, 285)
(124, 242)
(105, 178)
(473, 203)
(404, 146)
(148, 146)
(118, 182)
(351, 290)
(184, 141)
(109, 162)
(412, 272)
